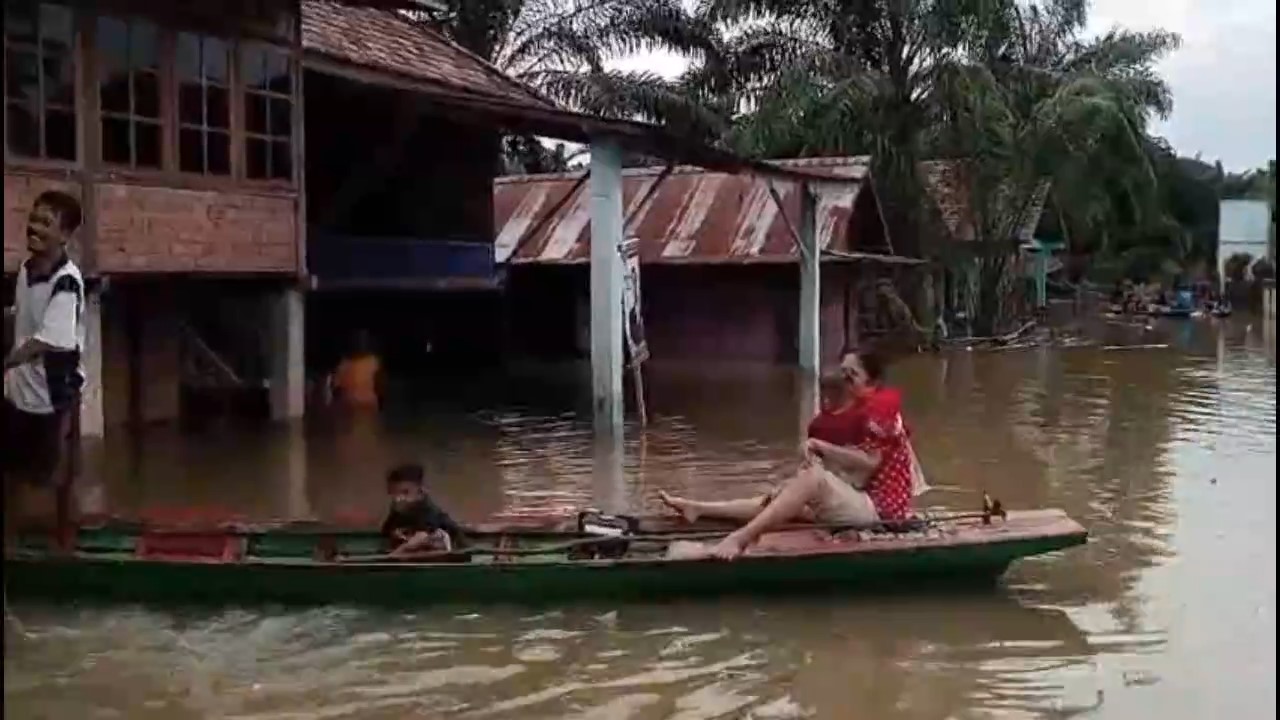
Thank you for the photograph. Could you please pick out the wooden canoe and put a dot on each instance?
(530, 563)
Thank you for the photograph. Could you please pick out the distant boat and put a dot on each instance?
(1170, 312)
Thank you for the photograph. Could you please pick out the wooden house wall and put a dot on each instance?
(154, 130)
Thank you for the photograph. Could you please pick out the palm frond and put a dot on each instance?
(634, 96)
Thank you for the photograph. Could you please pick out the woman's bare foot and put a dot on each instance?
(688, 550)
(680, 505)
(729, 548)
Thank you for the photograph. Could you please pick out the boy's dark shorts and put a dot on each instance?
(34, 444)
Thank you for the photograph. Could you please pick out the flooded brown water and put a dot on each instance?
(1168, 456)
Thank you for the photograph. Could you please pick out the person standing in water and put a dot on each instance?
(43, 374)
(358, 381)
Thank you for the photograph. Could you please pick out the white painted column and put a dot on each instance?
(810, 292)
(293, 472)
(92, 420)
(609, 480)
(807, 393)
(288, 371)
(606, 284)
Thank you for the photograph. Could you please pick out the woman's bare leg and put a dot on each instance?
(741, 510)
(795, 495)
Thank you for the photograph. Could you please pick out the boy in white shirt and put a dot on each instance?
(42, 371)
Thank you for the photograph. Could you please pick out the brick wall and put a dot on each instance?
(151, 229)
(19, 192)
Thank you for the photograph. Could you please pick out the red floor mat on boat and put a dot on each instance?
(188, 547)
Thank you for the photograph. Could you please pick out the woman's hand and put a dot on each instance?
(815, 448)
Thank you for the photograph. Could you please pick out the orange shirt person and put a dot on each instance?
(357, 381)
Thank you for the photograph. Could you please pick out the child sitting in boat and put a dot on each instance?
(415, 523)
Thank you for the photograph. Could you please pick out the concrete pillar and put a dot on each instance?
(810, 290)
(292, 471)
(92, 418)
(807, 396)
(606, 284)
(89, 481)
(609, 483)
(288, 370)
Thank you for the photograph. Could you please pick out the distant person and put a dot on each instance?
(1159, 296)
(1118, 296)
(415, 523)
(358, 381)
(43, 373)
(902, 320)
(1183, 298)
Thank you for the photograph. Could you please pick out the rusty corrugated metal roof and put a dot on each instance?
(694, 216)
(387, 40)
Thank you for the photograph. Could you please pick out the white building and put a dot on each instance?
(1243, 227)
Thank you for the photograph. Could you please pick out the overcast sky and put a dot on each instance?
(1223, 77)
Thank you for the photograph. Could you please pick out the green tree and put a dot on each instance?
(869, 77)
(858, 77)
(560, 48)
(1034, 109)
(1035, 49)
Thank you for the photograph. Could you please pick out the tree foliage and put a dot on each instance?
(1014, 91)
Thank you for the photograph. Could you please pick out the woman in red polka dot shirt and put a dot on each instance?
(897, 478)
(878, 449)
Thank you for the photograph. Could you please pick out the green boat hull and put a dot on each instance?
(128, 580)
(534, 579)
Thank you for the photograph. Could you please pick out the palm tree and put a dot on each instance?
(1032, 108)
(1039, 47)
(857, 78)
(561, 47)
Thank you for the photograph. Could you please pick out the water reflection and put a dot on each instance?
(904, 659)
(1167, 455)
